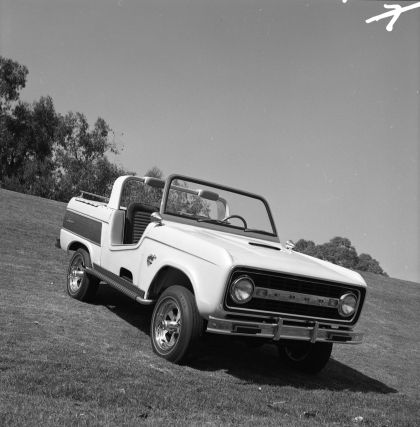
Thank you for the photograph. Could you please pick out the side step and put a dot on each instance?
(120, 284)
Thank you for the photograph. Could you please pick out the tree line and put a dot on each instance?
(48, 154)
(340, 251)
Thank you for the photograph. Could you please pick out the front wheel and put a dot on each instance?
(305, 356)
(176, 324)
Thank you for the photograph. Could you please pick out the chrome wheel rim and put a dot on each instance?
(167, 325)
(76, 274)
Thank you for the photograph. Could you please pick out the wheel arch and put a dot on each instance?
(168, 276)
(75, 245)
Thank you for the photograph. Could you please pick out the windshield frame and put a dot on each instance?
(264, 235)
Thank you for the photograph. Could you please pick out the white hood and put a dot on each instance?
(272, 256)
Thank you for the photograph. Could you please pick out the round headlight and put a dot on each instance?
(242, 289)
(347, 305)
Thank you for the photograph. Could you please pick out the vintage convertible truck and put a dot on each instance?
(209, 259)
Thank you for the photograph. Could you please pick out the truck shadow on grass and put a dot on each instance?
(235, 357)
(261, 366)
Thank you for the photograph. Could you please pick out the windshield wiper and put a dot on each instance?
(220, 222)
(210, 220)
(254, 230)
(246, 230)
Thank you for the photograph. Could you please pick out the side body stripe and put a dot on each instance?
(88, 228)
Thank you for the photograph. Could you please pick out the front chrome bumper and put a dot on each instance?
(315, 332)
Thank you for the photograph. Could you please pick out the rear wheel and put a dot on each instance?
(176, 324)
(81, 285)
(305, 356)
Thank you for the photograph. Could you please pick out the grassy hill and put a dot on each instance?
(63, 362)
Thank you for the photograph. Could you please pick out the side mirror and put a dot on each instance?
(156, 218)
(290, 245)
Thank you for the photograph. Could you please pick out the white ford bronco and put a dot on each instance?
(208, 258)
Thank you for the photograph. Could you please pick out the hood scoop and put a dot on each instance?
(261, 245)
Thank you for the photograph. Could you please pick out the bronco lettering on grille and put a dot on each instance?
(298, 298)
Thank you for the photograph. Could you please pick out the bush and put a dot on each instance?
(340, 251)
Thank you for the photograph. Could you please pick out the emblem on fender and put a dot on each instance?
(150, 259)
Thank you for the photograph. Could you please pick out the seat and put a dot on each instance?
(136, 221)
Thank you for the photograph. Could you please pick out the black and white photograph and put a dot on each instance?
(209, 213)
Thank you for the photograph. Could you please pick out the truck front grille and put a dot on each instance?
(323, 289)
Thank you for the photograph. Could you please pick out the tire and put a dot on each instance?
(305, 356)
(177, 341)
(81, 285)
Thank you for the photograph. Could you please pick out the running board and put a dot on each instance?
(120, 284)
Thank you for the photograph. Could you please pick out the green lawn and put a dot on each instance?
(63, 362)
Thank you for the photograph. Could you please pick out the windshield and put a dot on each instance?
(218, 207)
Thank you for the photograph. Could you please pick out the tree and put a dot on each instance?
(12, 80)
(367, 263)
(76, 141)
(80, 157)
(26, 131)
(340, 251)
(96, 177)
(305, 246)
(29, 134)
(155, 172)
(45, 153)
(35, 178)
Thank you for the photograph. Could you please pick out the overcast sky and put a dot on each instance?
(300, 101)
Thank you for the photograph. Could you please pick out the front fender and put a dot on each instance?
(207, 278)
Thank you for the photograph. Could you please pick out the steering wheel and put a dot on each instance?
(236, 216)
